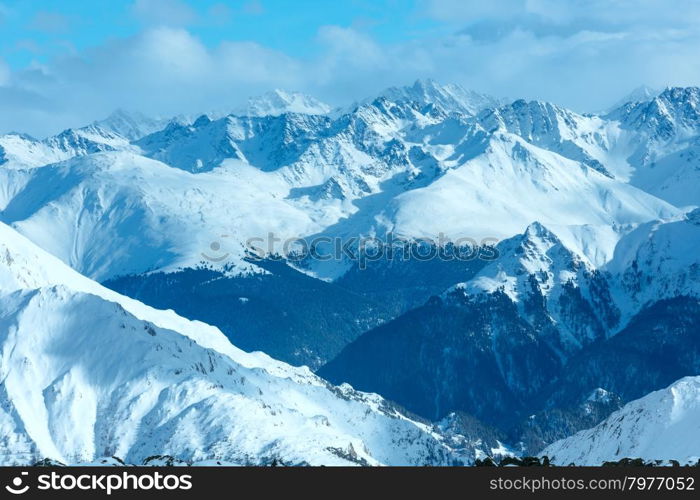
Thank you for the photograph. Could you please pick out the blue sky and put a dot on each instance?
(66, 63)
(38, 29)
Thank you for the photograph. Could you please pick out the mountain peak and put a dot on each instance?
(539, 122)
(277, 102)
(539, 231)
(682, 94)
(201, 121)
(640, 94)
(448, 98)
(427, 85)
(674, 109)
(132, 125)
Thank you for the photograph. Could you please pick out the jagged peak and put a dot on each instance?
(278, 101)
(202, 121)
(531, 107)
(642, 93)
(672, 108)
(680, 94)
(538, 242)
(449, 98)
(532, 120)
(426, 83)
(539, 230)
(20, 135)
(131, 124)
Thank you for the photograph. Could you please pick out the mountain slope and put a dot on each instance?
(482, 360)
(18, 151)
(660, 344)
(663, 425)
(540, 327)
(508, 331)
(281, 311)
(508, 185)
(86, 373)
(659, 138)
(574, 136)
(658, 260)
(650, 142)
(86, 211)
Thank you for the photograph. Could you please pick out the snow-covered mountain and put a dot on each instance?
(278, 102)
(660, 138)
(650, 143)
(113, 133)
(85, 211)
(578, 137)
(450, 98)
(159, 200)
(267, 142)
(640, 94)
(654, 261)
(18, 151)
(87, 373)
(507, 183)
(658, 260)
(673, 114)
(664, 425)
(386, 166)
(549, 284)
(596, 268)
(132, 125)
(542, 326)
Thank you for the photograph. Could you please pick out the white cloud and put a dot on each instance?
(552, 56)
(161, 71)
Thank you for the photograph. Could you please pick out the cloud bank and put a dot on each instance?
(584, 55)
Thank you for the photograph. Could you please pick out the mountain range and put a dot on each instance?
(580, 295)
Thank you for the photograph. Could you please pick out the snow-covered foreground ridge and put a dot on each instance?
(664, 425)
(88, 373)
